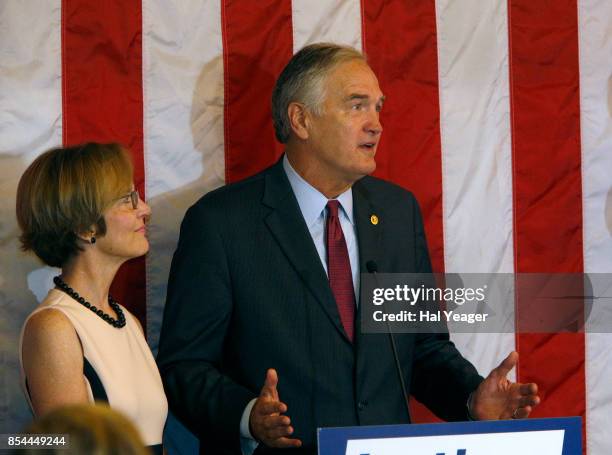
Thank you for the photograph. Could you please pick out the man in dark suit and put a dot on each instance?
(263, 284)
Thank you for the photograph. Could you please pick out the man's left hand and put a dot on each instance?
(497, 398)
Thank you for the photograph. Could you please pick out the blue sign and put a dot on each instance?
(559, 436)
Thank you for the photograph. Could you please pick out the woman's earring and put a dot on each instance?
(92, 240)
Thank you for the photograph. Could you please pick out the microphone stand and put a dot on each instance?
(372, 268)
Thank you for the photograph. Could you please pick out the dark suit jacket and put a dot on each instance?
(247, 292)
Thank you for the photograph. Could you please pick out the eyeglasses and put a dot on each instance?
(134, 198)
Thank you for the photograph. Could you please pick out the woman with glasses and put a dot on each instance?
(78, 210)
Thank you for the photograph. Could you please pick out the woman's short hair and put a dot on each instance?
(64, 193)
(91, 429)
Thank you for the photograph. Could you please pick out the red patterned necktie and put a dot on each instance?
(339, 269)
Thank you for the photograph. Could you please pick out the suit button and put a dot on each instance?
(362, 405)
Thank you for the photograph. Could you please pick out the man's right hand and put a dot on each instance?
(267, 423)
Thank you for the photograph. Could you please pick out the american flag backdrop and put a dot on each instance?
(498, 117)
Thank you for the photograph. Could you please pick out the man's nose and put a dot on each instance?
(374, 126)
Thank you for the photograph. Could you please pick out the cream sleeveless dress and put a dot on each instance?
(122, 361)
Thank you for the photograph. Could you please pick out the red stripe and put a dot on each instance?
(406, 63)
(547, 185)
(102, 99)
(257, 44)
(400, 41)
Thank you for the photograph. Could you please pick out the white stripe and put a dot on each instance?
(595, 43)
(30, 122)
(337, 21)
(183, 126)
(476, 154)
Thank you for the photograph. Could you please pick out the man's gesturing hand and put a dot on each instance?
(497, 398)
(267, 424)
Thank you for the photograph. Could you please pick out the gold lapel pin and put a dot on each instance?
(374, 220)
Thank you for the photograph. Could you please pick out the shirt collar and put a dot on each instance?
(311, 201)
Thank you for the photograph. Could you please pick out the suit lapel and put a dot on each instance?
(288, 227)
(369, 222)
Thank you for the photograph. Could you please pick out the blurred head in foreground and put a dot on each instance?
(91, 429)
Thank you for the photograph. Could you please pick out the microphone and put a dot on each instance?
(372, 267)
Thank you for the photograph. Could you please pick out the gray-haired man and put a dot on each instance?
(263, 285)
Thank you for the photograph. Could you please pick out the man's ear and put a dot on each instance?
(298, 119)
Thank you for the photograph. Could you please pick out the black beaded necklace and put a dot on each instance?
(118, 323)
